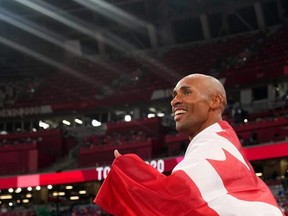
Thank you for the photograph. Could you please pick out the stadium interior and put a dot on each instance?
(80, 78)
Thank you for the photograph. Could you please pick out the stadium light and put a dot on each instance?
(74, 198)
(38, 188)
(28, 195)
(96, 123)
(10, 190)
(69, 187)
(66, 122)
(49, 187)
(78, 121)
(18, 190)
(151, 115)
(127, 118)
(160, 114)
(58, 194)
(29, 188)
(259, 174)
(8, 196)
(43, 124)
(82, 192)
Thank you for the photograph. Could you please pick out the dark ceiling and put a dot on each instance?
(40, 29)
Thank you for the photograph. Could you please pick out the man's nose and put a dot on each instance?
(175, 100)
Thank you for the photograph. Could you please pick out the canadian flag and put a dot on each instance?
(213, 179)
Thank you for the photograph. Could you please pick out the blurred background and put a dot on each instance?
(79, 78)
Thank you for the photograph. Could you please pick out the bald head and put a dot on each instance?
(198, 102)
(209, 85)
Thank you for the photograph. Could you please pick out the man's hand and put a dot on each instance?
(116, 154)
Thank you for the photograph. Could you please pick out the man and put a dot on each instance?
(214, 178)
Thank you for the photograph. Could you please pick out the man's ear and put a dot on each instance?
(216, 102)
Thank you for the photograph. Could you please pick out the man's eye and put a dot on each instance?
(187, 92)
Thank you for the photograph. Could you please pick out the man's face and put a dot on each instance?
(190, 105)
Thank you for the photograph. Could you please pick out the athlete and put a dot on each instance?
(213, 179)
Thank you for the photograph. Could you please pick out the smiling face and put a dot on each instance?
(197, 103)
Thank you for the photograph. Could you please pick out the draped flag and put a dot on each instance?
(213, 179)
